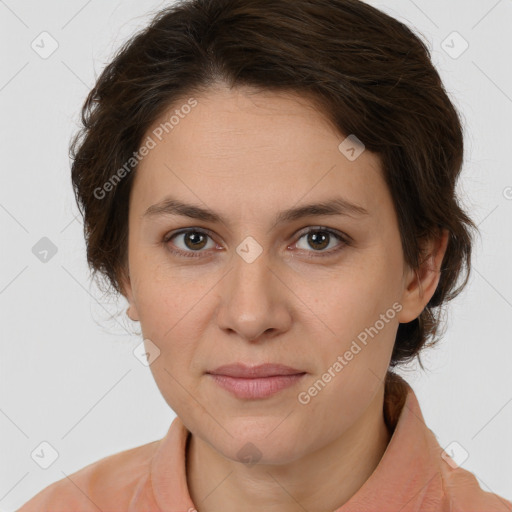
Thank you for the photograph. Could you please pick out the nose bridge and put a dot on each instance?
(252, 304)
(251, 274)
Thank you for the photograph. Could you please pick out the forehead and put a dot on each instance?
(250, 148)
(230, 123)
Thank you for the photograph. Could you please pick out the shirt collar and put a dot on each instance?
(406, 479)
(408, 476)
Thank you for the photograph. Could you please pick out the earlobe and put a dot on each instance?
(131, 312)
(126, 288)
(420, 284)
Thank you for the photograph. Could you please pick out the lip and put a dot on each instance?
(255, 382)
(243, 371)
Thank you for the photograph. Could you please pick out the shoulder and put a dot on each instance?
(465, 494)
(108, 484)
(448, 487)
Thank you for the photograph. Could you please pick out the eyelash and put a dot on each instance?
(344, 239)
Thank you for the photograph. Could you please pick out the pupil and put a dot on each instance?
(194, 237)
(314, 237)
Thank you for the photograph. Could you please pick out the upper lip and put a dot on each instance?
(263, 370)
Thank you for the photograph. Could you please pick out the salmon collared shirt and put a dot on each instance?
(413, 475)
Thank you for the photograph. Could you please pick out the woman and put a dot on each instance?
(271, 185)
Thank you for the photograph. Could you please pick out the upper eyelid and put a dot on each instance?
(183, 231)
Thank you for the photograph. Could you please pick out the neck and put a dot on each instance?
(323, 480)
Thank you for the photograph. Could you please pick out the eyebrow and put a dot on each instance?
(335, 206)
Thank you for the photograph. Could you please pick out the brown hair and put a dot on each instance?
(368, 73)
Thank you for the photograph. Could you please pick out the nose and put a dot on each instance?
(255, 302)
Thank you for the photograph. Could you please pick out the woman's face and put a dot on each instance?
(255, 287)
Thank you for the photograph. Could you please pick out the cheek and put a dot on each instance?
(162, 313)
(167, 319)
(161, 294)
(356, 335)
(172, 310)
(353, 369)
(357, 300)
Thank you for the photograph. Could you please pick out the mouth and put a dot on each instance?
(255, 382)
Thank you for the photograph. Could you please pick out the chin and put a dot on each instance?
(259, 441)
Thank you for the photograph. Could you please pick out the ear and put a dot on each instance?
(420, 284)
(126, 290)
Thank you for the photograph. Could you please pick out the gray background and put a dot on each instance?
(68, 373)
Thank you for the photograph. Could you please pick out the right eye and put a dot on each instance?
(193, 240)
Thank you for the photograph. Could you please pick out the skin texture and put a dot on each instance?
(249, 155)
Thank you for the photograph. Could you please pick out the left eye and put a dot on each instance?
(320, 238)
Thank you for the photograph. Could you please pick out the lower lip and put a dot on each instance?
(262, 387)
